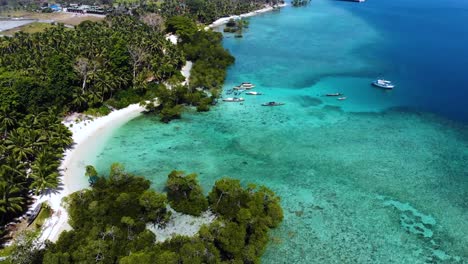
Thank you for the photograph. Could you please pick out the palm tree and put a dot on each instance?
(79, 100)
(60, 137)
(44, 172)
(19, 145)
(13, 171)
(10, 199)
(7, 120)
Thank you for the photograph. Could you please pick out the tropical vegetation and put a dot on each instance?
(210, 63)
(45, 75)
(109, 222)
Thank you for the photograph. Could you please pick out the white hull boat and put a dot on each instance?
(383, 84)
(233, 99)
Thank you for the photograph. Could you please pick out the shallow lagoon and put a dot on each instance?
(366, 180)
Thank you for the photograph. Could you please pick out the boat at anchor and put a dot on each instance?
(272, 104)
(253, 93)
(233, 99)
(383, 84)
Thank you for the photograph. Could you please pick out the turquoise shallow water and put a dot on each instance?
(366, 180)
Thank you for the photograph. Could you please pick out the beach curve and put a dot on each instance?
(86, 135)
(224, 20)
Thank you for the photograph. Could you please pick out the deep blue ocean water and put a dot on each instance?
(426, 44)
(380, 177)
(419, 45)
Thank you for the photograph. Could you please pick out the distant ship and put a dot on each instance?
(383, 84)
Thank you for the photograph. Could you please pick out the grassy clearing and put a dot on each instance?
(77, 19)
(60, 17)
(45, 213)
(5, 252)
(15, 13)
(29, 28)
(35, 15)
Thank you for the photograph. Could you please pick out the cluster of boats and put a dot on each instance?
(341, 97)
(245, 87)
(381, 83)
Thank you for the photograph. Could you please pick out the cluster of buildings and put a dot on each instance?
(77, 8)
(86, 9)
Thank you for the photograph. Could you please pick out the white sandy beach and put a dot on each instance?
(181, 224)
(224, 20)
(87, 135)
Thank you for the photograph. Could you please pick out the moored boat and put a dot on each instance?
(383, 84)
(341, 98)
(333, 94)
(253, 93)
(247, 85)
(272, 104)
(233, 99)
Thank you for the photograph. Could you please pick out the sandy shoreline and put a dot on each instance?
(87, 134)
(224, 20)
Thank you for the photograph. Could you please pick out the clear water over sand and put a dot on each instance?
(363, 180)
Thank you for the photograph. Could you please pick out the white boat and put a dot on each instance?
(341, 98)
(233, 99)
(247, 85)
(253, 93)
(383, 84)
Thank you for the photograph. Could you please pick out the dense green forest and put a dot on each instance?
(44, 75)
(210, 62)
(207, 11)
(203, 11)
(109, 222)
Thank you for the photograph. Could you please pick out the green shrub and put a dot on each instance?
(45, 213)
(124, 98)
(169, 113)
(185, 194)
(100, 111)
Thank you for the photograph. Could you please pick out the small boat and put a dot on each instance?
(272, 104)
(34, 214)
(233, 99)
(247, 85)
(334, 94)
(383, 84)
(341, 98)
(253, 93)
